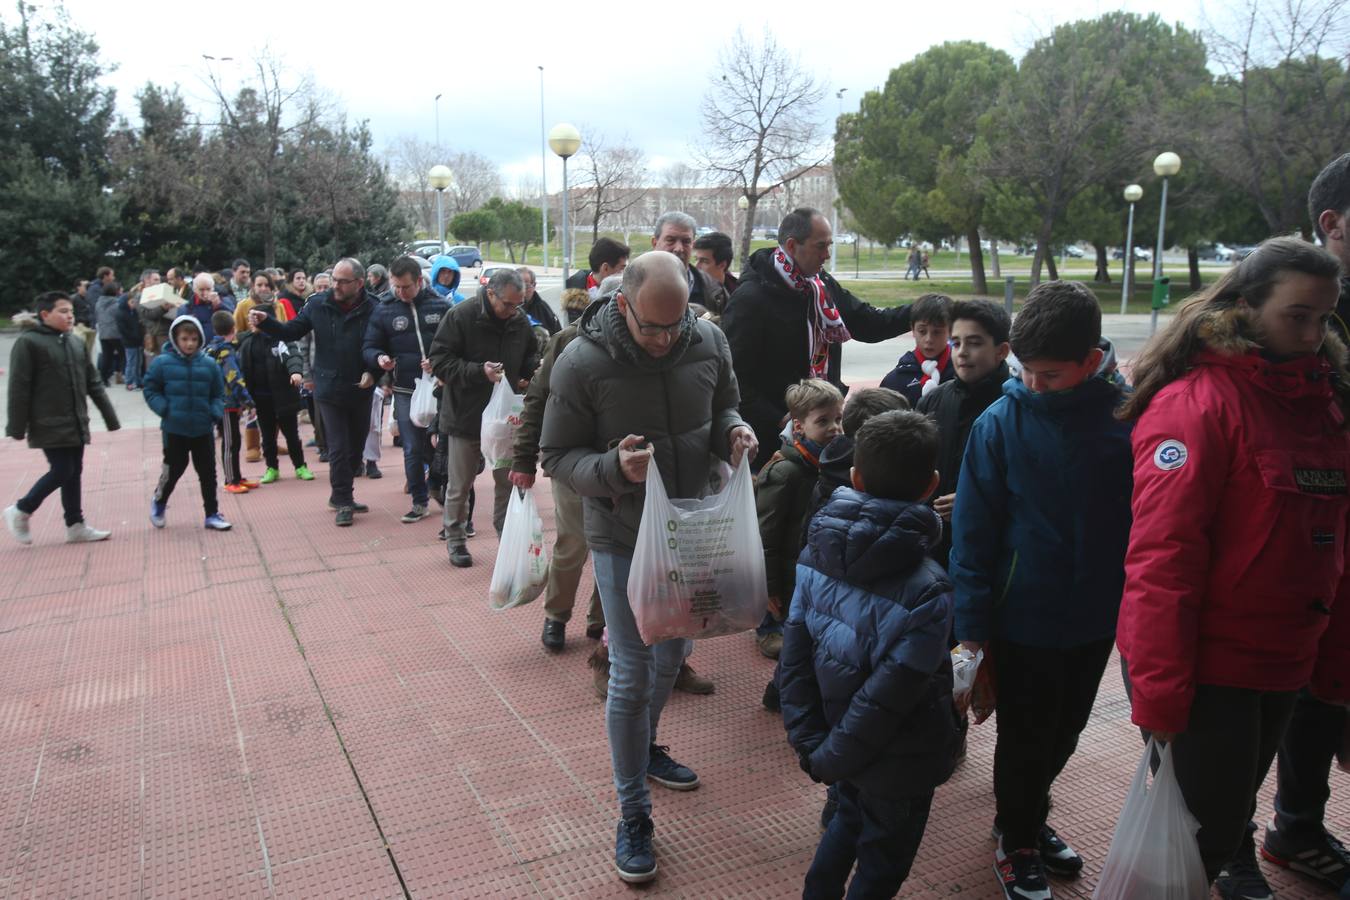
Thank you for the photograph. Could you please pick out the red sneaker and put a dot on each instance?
(250, 484)
(237, 488)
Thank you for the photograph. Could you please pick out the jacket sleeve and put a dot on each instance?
(865, 322)
(773, 506)
(100, 396)
(568, 434)
(1167, 563)
(305, 345)
(293, 330)
(376, 342)
(886, 699)
(739, 323)
(798, 690)
(979, 521)
(1331, 674)
(526, 447)
(447, 358)
(152, 387)
(20, 388)
(294, 364)
(726, 399)
(217, 394)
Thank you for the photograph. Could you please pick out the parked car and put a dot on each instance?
(1073, 250)
(1140, 253)
(486, 275)
(769, 234)
(1216, 252)
(1242, 251)
(844, 237)
(467, 256)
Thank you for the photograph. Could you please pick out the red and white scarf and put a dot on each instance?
(592, 286)
(932, 369)
(826, 325)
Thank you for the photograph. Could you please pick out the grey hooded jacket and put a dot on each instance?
(604, 387)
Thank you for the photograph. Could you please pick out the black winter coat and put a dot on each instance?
(338, 337)
(50, 377)
(468, 337)
(537, 308)
(955, 406)
(767, 324)
(129, 322)
(268, 365)
(866, 676)
(391, 333)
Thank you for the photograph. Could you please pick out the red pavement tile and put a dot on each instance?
(362, 871)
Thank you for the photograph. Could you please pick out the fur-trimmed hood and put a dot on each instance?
(1231, 332)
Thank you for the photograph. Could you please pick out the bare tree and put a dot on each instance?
(1282, 103)
(255, 126)
(612, 177)
(761, 122)
(681, 176)
(476, 179)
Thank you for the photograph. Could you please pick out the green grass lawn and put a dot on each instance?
(895, 293)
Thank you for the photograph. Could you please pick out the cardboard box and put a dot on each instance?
(160, 295)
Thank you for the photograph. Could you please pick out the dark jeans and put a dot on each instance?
(111, 359)
(1221, 760)
(135, 358)
(1310, 743)
(345, 426)
(65, 468)
(269, 420)
(230, 444)
(177, 450)
(882, 835)
(416, 449)
(1044, 699)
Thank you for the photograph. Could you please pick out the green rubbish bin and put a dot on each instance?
(1162, 292)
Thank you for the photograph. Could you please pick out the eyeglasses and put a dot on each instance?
(649, 330)
(345, 281)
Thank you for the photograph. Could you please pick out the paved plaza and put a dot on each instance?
(296, 710)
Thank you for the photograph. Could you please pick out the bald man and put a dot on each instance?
(653, 384)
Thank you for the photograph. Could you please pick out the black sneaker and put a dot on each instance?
(1242, 880)
(344, 517)
(354, 507)
(469, 530)
(372, 470)
(633, 854)
(323, 456)
(1324, 859)
(666, 771)
(595, 632)
(459, 556)
(1021, 874)
(555, 635)
(1056, 855)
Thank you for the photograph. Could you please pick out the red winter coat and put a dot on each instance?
(1235, 574)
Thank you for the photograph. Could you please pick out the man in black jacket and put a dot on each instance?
(784, 322)
(398, 340)
(536, 307)
(342, 383)
(480, 342)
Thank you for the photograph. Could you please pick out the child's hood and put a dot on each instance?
(862, 539)
(197, 326)
(1107, 385)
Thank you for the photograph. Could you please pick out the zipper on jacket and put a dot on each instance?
(1007, 585)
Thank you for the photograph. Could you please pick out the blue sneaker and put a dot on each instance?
(666, 771)
(157, 513)
(633, 855)
(217, 523)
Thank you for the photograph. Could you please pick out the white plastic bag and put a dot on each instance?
(521, 569)
(964, 667)
(422, 408)
(698, 567)
(501, 417)
(1153, 854)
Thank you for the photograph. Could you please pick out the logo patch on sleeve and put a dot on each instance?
(1171, 454)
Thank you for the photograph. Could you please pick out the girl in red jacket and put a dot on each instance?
(1235, 592)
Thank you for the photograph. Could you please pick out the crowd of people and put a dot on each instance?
(1005, 495)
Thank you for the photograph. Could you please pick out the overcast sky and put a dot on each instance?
(641, 73)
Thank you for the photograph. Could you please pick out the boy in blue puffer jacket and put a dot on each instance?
(186, 390)
(1040, 526)
(866, 680)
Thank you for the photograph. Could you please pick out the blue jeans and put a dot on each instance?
(640, 681)
(132, 373)
(882, 835)
(415, 447)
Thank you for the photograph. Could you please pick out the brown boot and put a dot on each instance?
(599, 663)
(691, 682)
(252, 445)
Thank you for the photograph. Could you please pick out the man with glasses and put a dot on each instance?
(480, 342)
(536, 307)
(397, 340)
(644, 383)
(338, 319)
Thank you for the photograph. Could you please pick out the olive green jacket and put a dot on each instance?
(50, 376)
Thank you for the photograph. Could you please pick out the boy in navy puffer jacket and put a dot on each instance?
(866, 677)
(186, 390)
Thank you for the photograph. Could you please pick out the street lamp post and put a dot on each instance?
(1166, 165)
(1132, 194)
(834, 181)
(742, 203)
(565, 141)
(441, 178)
(438, 124)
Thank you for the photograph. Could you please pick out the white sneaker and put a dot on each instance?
(81, 533)
(17, 520)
